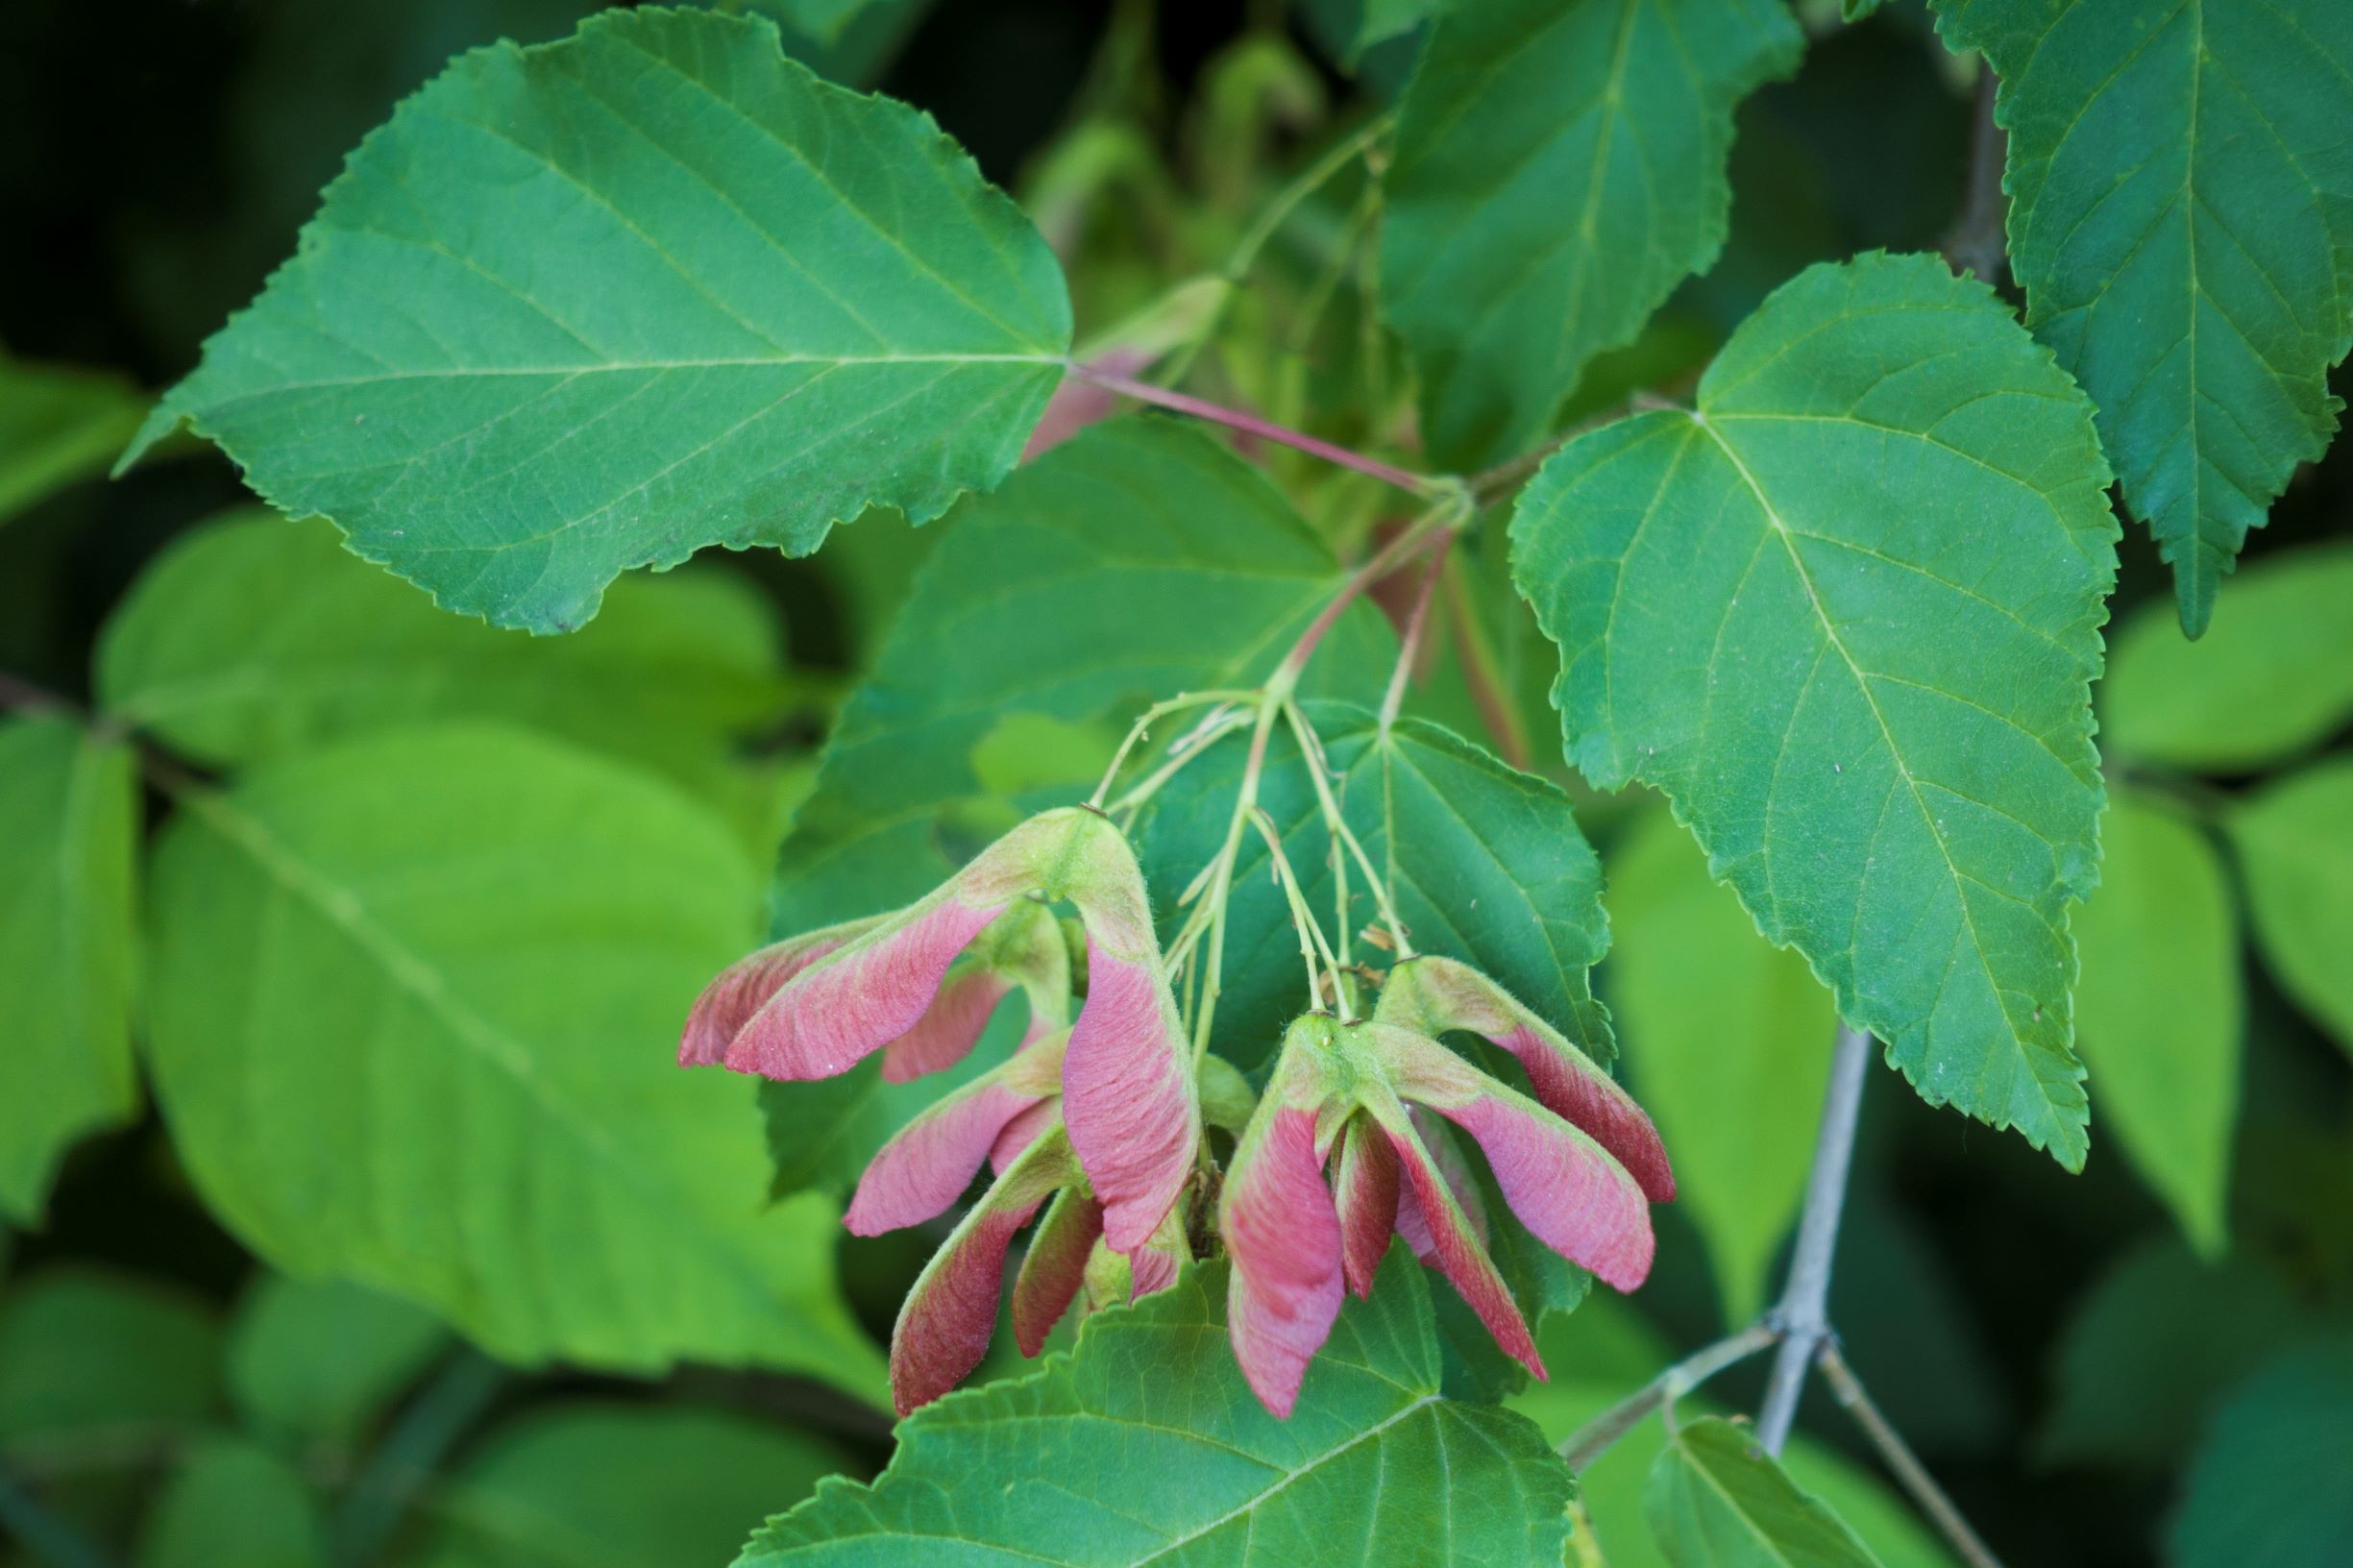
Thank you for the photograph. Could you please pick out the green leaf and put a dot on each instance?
(68, 834)
(234, 1502)
(1718, 1500)
(1381, 19)
(2271, 678)
(2158, 1007)
(1560, 168)
(255, 638)
(1145, 1445)
(59, 425)
(2152, 1348)
(2273, 1485)
(96, 1360)
(320, 1359)
(2181, 217)
(595, 303)
(1846, 615)
(601, 1484)
(414, 1011)
(1732, 1068)
(2295, 850)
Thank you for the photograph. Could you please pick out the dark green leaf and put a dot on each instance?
(101, 1364)
(232, 1502)
(595, 303)
(1145, 1445)
(1715, 1500)
(59, 425)
(1846, 614)
(68, 833)
(1560, 168)
(320, 1359)
(2295, 849)
(2273, 1485)
(2181, 215)
(416, 1001)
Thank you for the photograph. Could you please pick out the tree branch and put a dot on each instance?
(1804, 1313)
(1591, 1441)
(1905, 1466)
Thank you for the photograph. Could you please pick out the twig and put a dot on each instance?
(1804, 1313)
(1591, 1441)
(1847, 1389)
(1978, 244)
(1266, 429)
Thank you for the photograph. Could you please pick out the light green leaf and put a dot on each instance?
(68, 834)
(595, 303)
(2181, 216)
(1381, 19)
(1732, 1067)
(820, 19)
(2273, 1485)
(1846, 615)
(320, 1359)
(232, 1502)
(255, 638)
(1715, 1500)
(95, 1361)
(59, 425)
(2158, 1007)
(415, 1008)
(2152, 1348)
(1145, 1445)
(2272, 676)
(594, 1484)
(2295, 849)
(1560, 168)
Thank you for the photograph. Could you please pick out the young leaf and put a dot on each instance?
(412, 1011)
(587, 1482)
(233, 1500)
(1846, 614)
(2181, 217)
(1718, 1500)
(1145, 1445)
(2272, 676)
(318, 1360)
(1560, 168)
(2158, 1007)
(2295, 849)
(2272, 1484)
(595, 303)
(58, 425)
(1732, 1066)
(86, 1354)
(68, 832)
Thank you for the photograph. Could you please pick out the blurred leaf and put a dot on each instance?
(586, 1484)
(2158, 1010)
(823, 20)
(2295, 849)
(256, 637)
(59, 425)
(1146, 1445)
(1560, 168)
(68, 835)
(2150, 1351)
(2272, 676)
(1732, 1067)
(1387, 18)
(414, 1013)
(2179, 220)
(2272, 1484)
(1909, 1321)
(823, 307)
(99, 1366)
(1715, 1500)
(1845, 615)
(320, 1359)
(233, 1504)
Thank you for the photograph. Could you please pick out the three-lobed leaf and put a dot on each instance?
(596, 303)
(1560, 169)
(1846, 614)
(2181, 217)
(1715, 1500)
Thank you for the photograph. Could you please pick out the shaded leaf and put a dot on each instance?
(1145, 1443)
(59, 424)
(320, 1359)
(2272, 1484)
(1560, 168)
(2295, 851)
(595, 303)
(2181, 217)
(2158, 1007)
(232, 1502)
(1715, 1500)
(1846, 616)
(68, 835)
(415, 1008)
(101, 1363)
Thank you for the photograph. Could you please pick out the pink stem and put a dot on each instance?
(1266, 429)
(1411, 645)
